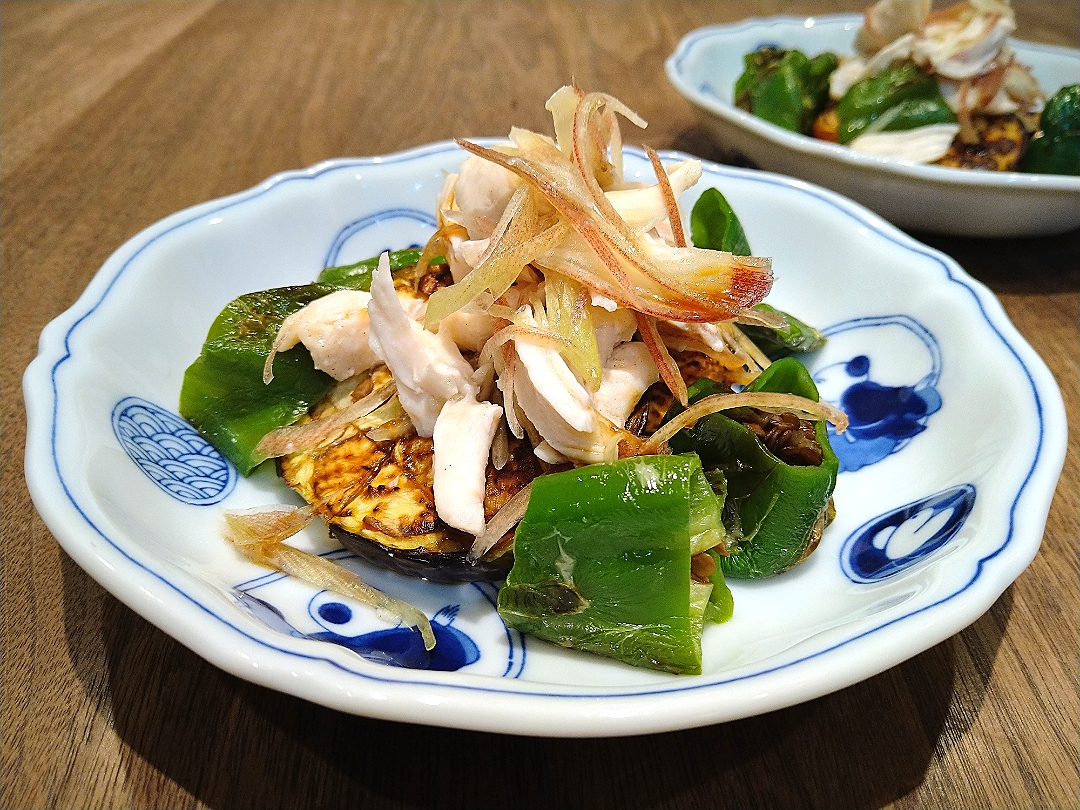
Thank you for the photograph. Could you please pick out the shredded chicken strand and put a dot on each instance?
(529, 334)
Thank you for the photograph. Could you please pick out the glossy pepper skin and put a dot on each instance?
(785, 87)
(223, 395)
(1056, 149)
(358, 276)
(794, 337)
(715, 225)
(901, 97)
(602, 562)
(772, 507)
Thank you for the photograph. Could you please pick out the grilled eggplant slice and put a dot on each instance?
(378, 499)
(377, 495)
(999, 143)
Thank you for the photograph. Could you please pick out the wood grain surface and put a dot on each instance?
(116, 114)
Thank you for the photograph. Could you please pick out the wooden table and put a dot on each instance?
(117, 114)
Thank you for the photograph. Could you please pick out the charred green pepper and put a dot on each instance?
(358, 276)
(1055, 149)
(721, 605)
(223, 395)
(715, 225)
(602, 561)
(785, 87)
(793, 337)
(774, 509)
(901, 97)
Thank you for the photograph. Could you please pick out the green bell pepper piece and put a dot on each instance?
(795, 337)
(358, 276)
(785, 87)
(1061, 115)
(898, 98)
(714, 225)
(1059, 155)
(1056, 148)
(721, 606)
(771, 507)
(602, 561)
(223, 395)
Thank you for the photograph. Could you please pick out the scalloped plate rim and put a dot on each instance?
(472, 702)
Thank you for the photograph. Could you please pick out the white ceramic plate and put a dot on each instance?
(941, 506)
(962, 202)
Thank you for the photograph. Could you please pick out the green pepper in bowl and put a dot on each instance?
(901, 97)
(785, 87)
(1056, 147)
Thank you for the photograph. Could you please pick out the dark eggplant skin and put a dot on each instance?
(445, 568)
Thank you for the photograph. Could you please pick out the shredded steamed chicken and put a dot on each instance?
(573, 286)
(964, 46)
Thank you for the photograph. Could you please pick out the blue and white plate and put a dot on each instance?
(707, 61)
(957, 440)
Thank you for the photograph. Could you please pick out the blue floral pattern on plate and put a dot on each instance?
(294, 609)
(395, 646)
(894, 542)
(889, 396)
(885, 412)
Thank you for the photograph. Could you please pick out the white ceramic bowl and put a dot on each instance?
(961, 202)
(941, 505)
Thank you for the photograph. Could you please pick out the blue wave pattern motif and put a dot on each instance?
(885, 414)
(171, 453)
(895, 541)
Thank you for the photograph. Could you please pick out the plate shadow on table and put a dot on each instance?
(697, 140)
(232, 744)
(1008, 266)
